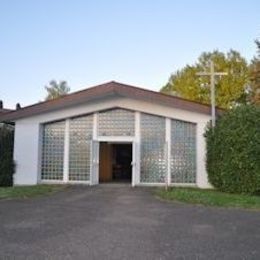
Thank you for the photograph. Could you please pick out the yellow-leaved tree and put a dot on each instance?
(255, 77)
(231, 89)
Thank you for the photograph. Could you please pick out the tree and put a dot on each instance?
(7, 165)
(56, 89)
(230, 89)
(255, 77)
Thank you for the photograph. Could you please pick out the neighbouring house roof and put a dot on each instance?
(4, 110)
(106, 90)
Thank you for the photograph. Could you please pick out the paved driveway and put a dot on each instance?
(120, 222)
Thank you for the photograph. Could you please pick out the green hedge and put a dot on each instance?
(6, 155)
(233, 151)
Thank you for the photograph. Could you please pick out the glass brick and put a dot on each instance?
(153, 155)
(80, 133)
(116, 122)
(53, 151)
(183, 152)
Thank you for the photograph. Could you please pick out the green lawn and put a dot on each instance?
(28, 191)
(209, 197)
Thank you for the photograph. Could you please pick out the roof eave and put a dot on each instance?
(109, 89)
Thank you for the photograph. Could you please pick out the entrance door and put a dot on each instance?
(115, 162)
(122, 162)
(94, 178)
(105, 159)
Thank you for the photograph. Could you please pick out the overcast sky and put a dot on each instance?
(139, 42)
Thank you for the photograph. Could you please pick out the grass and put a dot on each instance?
(28, 191)
(210, 198)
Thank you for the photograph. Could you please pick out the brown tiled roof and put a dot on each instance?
(107, 89)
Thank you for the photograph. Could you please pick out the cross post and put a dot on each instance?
(212, 74)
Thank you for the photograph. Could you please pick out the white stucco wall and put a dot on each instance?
(27, 134)
(26, 152)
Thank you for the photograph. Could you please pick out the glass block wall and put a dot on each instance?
(120, 122)
(153, 154)
(116, 122)
(183, 152)
(80, 133)
(53, 151)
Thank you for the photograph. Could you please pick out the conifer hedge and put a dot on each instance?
(7, 165)
(233, 151)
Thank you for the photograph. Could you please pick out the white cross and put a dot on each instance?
(212, 75)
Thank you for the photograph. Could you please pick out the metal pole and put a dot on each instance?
(212, 93)
(212, 75)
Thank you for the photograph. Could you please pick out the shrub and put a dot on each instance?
(233, 151)
(6, 155)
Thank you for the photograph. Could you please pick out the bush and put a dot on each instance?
(233, 151)
(6, 155)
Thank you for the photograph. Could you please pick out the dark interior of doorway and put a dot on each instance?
(115, 162)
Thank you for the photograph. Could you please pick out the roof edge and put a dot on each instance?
(108, 88)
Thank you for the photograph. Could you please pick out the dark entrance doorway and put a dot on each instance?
(115, 162)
